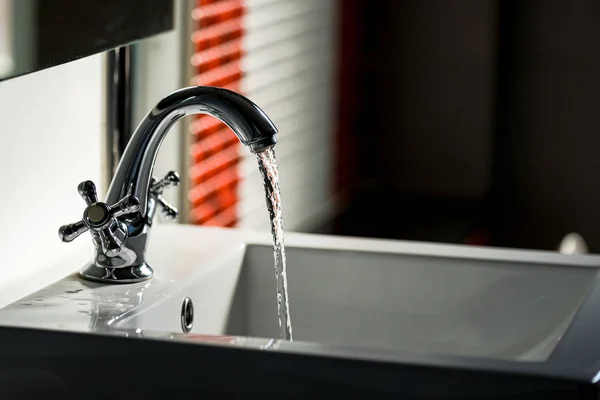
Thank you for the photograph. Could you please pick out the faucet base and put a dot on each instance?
(134, 274)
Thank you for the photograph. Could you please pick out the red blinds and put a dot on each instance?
(214, 177)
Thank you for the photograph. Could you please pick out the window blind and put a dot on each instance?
(215, 155)
(290, 53)
(280, 54)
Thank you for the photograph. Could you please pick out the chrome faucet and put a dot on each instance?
(120, 225)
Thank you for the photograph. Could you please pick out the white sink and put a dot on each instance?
(384, 295)
(378, 297)
(416, 303)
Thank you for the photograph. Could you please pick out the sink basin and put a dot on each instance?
(387, 301)
(415, 303)
(359, 299)
(397, 296)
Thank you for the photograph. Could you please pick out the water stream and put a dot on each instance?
(267, 164)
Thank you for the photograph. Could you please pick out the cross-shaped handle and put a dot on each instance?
(157, 188)
(108, 233)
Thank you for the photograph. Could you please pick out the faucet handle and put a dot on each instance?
(87, 190)
(169, 211)
(157, 188)
(108, 233)
(127, 205)
(70, 232)
(170, 179)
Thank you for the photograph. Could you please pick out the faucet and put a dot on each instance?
(121, 224)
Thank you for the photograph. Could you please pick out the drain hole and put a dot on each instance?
(187, 315)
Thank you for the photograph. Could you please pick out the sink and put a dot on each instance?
(415, 303)
(396, 302)
(377, 295)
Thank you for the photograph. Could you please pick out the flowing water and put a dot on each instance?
(268, 169)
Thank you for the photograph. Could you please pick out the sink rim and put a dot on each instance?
(577, 355)
(426, 249)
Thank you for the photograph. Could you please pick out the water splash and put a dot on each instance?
(267, 164)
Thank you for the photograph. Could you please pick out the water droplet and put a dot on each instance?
(26, 304)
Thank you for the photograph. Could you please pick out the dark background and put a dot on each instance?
(470, 121)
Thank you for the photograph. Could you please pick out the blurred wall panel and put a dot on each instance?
(290, 49)
(432, 74)
(50, 141)
(548, 155)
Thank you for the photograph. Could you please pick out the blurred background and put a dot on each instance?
(465, 121)
(468, 121)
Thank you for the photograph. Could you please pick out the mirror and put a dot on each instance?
(38, 34)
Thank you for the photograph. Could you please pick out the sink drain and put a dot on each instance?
(187, 315)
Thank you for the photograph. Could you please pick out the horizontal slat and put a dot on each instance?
(274, 34)
(223, 75)
(226, 218)
(300, 47)
(291, 119)
(295, 121)
(281, 72)
(203, 190)
(208, 211)
(214, 165)
(205, 124)
(284, 11)
(213, 144)
(305, 84)
(233, 86)
(215, 56)
(217, 34)
(257, 4)
(293, 104)
(213, 13)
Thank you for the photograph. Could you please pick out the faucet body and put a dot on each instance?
(120, 244)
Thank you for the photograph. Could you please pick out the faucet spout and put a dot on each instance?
(120, 237)
(250, 124)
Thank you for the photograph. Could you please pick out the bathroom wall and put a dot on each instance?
(487, 109)
(416, 125)
(51, 139)
(548, 145)
(434, 88)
